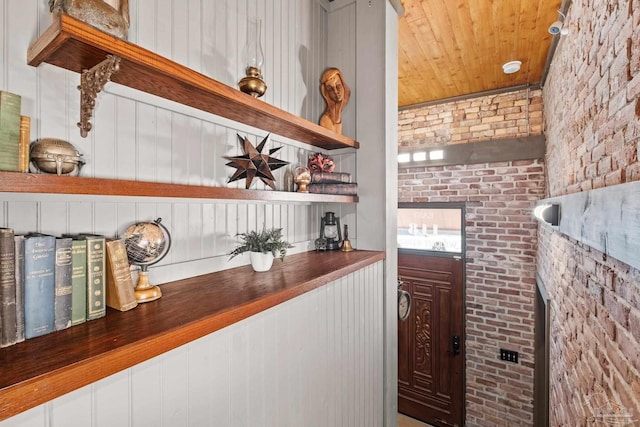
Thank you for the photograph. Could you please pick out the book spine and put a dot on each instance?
(19, 249)
(7, 288)
(79, 281)
(63, 286)
(120, 293)
(330, 177)
(25, 140)
(9, 131)
(341, 189)
(96, 307)
(39, 285)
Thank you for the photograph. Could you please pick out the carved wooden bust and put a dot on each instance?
(336, 94)
(96, 13)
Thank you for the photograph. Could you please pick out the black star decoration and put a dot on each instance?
(255, 164)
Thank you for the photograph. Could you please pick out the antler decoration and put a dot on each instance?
(254, 164)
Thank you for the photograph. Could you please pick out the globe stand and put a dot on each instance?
(145, 291)
(145, 248)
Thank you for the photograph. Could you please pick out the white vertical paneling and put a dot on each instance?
(103, 158)
(200, 377)
(111, 401)
(19, 26)
(163, 145)
(53, 217)
(221, 379)
(4, 39)
(105, 215)
(37, 416)
(144, 144)
(125, 139)
(313, 361)
(145, 391)
(174, 387)
(23, 216)
(162, 43)
(73, 409)
(238, 390)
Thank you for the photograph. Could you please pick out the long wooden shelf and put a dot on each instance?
(40, 369)
(74, 45)
(14, 182)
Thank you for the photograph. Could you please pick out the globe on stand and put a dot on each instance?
(147, 243)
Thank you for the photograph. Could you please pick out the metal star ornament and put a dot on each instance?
(254, 164)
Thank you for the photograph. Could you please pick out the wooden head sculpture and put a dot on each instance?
(96, 13)
(336, 94)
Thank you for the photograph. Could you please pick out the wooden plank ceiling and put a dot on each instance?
(452, 48)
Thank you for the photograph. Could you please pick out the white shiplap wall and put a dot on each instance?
(314, 361)
(142, 137)
(318, 358)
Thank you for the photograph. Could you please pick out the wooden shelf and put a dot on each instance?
(73, 45)
(43, 368)
(14, 182)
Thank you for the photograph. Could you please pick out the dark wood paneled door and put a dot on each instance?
(431, 340)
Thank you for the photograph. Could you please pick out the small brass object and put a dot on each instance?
(50, 155)
(346, 243)
(302, 177)
(253, 84)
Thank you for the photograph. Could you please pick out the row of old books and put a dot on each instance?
(332, 183)
(50, 283)
(15, 134)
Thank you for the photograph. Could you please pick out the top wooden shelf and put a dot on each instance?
(76, 46)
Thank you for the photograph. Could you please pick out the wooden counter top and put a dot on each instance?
(43, 368)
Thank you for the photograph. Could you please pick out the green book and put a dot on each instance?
(96, 306)
(9, 131)
(7, 288)
(63, 287)
(79, 281)
(19, 272)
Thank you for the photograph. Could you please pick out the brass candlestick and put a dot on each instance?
(346, 244)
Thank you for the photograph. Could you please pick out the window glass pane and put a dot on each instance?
(430, 229)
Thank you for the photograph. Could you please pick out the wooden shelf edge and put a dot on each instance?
(15, 182)
(52, 365)
(76, 46)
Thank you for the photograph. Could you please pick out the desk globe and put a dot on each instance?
(146, 243)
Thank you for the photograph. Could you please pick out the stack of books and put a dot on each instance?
(15, 134)
(50, 283)
(332, 183)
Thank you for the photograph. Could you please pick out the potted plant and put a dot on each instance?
(263, 246)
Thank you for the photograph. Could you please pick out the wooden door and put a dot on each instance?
(430, 366)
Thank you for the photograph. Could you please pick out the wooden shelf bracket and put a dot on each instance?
(91, 83)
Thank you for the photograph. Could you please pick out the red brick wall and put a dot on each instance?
(511, 114)
(500, 282)
(592, 115)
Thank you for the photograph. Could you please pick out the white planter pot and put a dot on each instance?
(261, 261)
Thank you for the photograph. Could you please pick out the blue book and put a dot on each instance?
(39, 284)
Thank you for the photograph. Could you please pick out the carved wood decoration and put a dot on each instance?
(423, 336)
(91, 83)
(430, 380)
